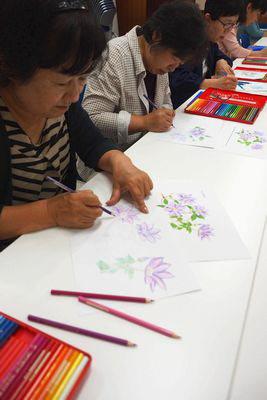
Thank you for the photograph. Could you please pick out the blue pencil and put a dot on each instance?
(9, 330)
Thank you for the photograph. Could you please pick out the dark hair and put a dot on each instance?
(260, 5)
(223, 8)
(38, 34)
(180, 27)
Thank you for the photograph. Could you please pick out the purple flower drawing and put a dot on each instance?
(148, 232)
(155, 273)
(205, 231)
(187, 214)
(255, 140)
(127, 214)
(154, 269)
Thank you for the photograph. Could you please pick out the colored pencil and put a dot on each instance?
(81, 331)
(34, 370)
(129, 318)
(101, 296)
(17, 347)
(69, 374)
(18, 372)
(153, 105)
(72, 379)
(69, 190)
(48, 374)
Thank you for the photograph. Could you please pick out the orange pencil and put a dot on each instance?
(56, 387)
(69, 373)
(37, 385)
(54, 377)
(38, 394)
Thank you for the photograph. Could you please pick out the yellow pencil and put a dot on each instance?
(65, 367)
(68, 376)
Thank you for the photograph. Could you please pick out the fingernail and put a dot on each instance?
(145, 209)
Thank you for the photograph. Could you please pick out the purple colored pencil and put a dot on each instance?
(101, 296)
(69, 190)
(81, 331)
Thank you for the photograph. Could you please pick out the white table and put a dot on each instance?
(200, 367)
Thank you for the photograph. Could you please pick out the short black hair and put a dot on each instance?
(223, 8)
(260, 5)
(180, 27)
(37, 34)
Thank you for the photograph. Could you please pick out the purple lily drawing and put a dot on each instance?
(155, 273)
(148, 232)
(185, 198)
(205, 231)
(175, 209)
(127, 214)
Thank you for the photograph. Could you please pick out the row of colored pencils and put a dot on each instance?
(34, 366)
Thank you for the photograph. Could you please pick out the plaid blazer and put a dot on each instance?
(116, 88)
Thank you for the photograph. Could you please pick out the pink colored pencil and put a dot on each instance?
(129, 318)
(101, 296)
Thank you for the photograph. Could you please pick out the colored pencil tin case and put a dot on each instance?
(228, 105)
(255, 61)
(35, 365)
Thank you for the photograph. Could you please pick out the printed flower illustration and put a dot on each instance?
(205, 231)
(155, 273)
(148, 232)
(127, 214)
(255, 140)
(186, 214)
(198, 134)
(154, 269)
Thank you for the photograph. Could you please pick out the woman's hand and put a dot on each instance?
(74, 210)
(223, 68)
(126, 178)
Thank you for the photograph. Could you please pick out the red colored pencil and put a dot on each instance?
(101, 296)
(34, 370)
(19, 375)
(129, 318)
(13, 352)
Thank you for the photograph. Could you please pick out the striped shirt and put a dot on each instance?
(31, 163)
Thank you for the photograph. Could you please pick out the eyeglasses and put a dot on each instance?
(72, 5)
(227, 26)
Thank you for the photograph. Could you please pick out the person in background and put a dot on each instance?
(253, 31)
(230, 45)
(47, 48)
(220, 17)
(135, 67)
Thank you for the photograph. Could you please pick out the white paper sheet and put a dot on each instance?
(143, 255)
(247, 140)
(243, 74)
(193, 130)
(130, 255)
(252, 87)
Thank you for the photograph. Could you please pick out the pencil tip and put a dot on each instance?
(130, 344)
(175, 336)
(149, 300)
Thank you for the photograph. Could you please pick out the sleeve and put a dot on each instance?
(184, 82)
(88, 142)
(102, 97)
(254, 31)
(233, 47)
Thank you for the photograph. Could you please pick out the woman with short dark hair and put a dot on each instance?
(136, 67)
(47, 48)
